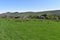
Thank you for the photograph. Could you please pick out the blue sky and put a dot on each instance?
(28, 5)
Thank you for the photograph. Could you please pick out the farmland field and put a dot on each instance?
(11, 29)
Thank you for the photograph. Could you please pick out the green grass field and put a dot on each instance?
(29, 30)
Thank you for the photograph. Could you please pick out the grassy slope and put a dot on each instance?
(30, 30)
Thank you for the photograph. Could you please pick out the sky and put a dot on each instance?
(28, 5)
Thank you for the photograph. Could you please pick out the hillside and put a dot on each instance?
(57, 12)
(32, 14)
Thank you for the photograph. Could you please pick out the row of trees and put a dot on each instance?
(43, 16)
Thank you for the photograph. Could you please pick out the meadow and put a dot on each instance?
(12, 29)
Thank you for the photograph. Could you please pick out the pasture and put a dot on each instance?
(12, 29)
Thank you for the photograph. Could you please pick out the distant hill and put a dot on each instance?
(53, 12)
